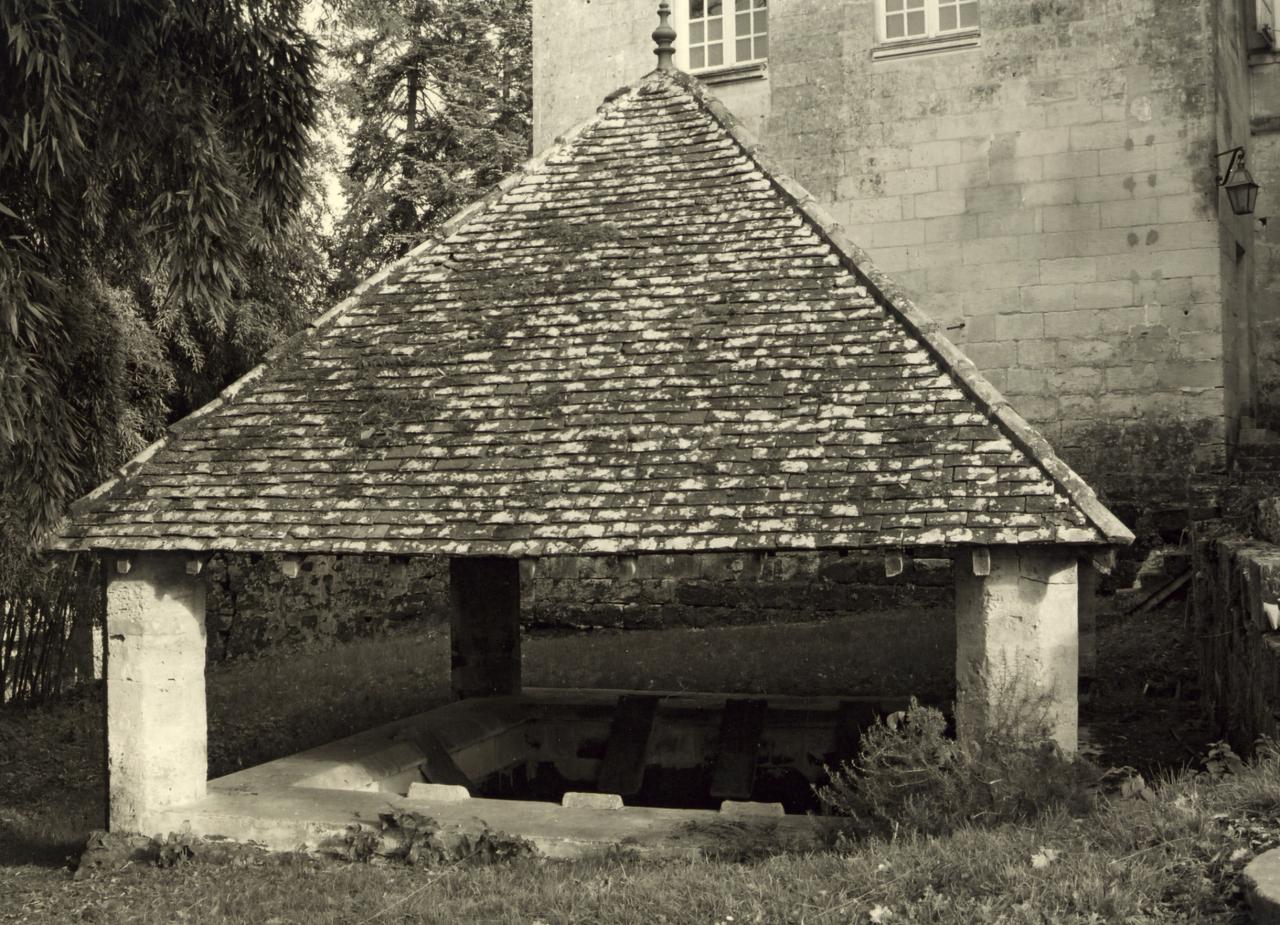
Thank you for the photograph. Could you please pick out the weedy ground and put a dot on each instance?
(1170, 853)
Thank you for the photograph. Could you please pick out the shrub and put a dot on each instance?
(910, 776)
(414, 839)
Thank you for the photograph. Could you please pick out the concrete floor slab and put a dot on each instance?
(309, 800)
(309, 819)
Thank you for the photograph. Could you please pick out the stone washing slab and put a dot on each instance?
(307, 800)
(649, 340)
(296, 818)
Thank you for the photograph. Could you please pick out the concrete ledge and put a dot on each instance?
(298, 818)
(1252, 568)
(1262, 884)
(1236, 607)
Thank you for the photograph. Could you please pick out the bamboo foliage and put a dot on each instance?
(46, 627)
(156, 196)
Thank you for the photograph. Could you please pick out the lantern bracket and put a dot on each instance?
(1237, 158)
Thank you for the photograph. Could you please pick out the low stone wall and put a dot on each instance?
(1236, 613)
(722, 589)
(252, 605)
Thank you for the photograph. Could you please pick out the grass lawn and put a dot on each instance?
(1174, 858)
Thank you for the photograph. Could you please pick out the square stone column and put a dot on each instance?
(1016, 641)
(484, 626)
(1087, 585)
(157, 747)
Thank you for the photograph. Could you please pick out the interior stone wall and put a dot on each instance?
(252, 605)
(723, 589)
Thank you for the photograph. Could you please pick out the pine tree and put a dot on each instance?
(438, 95)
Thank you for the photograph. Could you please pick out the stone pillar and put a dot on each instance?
(1016, 641)
(84, 647)
(157, 750)
(484, 626)
(1087, 588)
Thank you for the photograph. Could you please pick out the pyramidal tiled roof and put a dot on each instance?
(645, 341)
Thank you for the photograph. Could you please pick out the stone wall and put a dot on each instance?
(1264, 164)
(1155, 471)
(583, 50)
(724, 589)
(1236, 238)
(1043, 195)
(252, 605)
(1236, 612)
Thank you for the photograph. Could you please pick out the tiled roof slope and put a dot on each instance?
(646, 341)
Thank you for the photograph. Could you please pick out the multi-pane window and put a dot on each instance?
(725, 32)
(751, 30)
(954, 15)
(706, 33)
(904, 19)
(921, 19)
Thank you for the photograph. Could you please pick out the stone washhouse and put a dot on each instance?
(646, 341)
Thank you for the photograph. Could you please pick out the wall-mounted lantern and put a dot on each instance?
(1242, 191)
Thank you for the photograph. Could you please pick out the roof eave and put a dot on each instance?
(1078, 537)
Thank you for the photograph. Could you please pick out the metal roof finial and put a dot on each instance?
(664, 35)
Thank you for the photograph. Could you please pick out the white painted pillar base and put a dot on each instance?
(1016, 642)
(157, 748)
